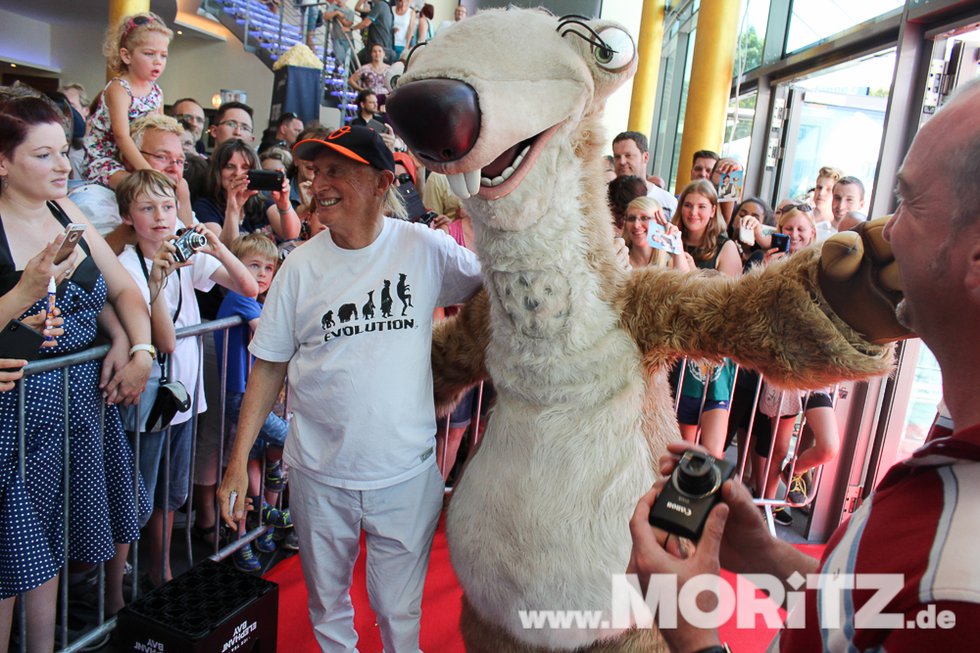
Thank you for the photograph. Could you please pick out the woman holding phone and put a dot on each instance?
(704, 413)
(34, 214)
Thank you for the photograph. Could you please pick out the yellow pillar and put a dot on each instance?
(649, 44)
(120, 8)
(711, 82)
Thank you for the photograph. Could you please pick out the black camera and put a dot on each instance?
(265, 180)
(187, 243)
(780, 242)
(690, 493)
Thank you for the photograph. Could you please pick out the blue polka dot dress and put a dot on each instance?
(103, 503)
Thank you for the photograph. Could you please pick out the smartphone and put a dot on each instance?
(780, 242)
(413, 201)
(265, 179)
(19, 341)
(745, 234)
(73, 234)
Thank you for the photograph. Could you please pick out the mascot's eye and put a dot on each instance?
(394, 71)
(616, 51)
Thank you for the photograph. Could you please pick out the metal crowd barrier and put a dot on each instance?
(796, 439)
(103, 625)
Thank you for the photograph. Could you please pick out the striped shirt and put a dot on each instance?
(923, 523)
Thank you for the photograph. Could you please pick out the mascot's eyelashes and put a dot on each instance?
(612, 47)
(594, 39)
(408, 57)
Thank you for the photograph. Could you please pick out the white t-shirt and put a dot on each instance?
(824, 231)
(667, 201)
(98, 203)
(355, 327)
(186, 357)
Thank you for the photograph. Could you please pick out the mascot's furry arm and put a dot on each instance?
(459, 345)
(774, 320)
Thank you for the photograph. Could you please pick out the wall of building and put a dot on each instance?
(24, 40)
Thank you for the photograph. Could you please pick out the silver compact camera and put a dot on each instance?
(187, 243)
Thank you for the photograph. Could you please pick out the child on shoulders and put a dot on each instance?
(136, 51)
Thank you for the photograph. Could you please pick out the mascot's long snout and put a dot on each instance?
(439, 119)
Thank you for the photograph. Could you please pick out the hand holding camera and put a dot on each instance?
(187, 243)
(692, 490)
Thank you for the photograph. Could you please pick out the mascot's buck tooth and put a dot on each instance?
(507, 104)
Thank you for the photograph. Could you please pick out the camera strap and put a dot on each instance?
(161, 357)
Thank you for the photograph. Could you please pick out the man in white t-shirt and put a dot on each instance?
(349, 317)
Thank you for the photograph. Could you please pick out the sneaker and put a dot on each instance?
(246, 560)
(266, 542)
(275, 517)
(799, 489)
(291, 541)
(275, 477)
(782, 516)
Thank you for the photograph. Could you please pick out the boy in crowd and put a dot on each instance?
(259, 256)
(147, 201)
(823, 193)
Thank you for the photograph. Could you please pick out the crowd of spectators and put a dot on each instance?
(716, 403)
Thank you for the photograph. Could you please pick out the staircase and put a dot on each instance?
(268, 32)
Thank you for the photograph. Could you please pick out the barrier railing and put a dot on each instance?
(93, 633)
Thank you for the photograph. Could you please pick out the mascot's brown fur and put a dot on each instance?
(507, 104)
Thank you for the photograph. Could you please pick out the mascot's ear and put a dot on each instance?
(394, 71)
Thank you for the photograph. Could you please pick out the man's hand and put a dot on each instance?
(650, 555)
(235, 480)
(860, 280)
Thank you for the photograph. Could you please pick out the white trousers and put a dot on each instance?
(399, 523)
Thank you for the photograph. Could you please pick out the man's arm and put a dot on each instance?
(264, 383)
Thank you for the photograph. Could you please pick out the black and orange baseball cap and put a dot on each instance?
(360, 144)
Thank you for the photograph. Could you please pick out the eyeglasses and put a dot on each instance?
(806, 208)
(404, 178)
(234, 125)
(164, 159)
(190, 117)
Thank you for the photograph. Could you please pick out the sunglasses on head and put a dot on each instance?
(806, 208)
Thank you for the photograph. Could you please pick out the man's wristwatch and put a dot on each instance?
(150, 349)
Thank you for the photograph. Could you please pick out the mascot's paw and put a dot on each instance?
(860, 280)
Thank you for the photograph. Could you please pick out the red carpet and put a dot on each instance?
(440, 609)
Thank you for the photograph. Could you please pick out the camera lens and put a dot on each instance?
(696, 474)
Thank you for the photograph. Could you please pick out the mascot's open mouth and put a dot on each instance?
(505, 173)
(501, 176)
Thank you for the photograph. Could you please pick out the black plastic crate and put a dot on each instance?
(213, 608)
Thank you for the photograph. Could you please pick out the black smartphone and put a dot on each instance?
(265, 179)
(19, 341)
(780, 242)
(413, 201)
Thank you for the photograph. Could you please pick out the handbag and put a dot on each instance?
(163, 398)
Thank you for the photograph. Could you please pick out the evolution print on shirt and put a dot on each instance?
(346, 321)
